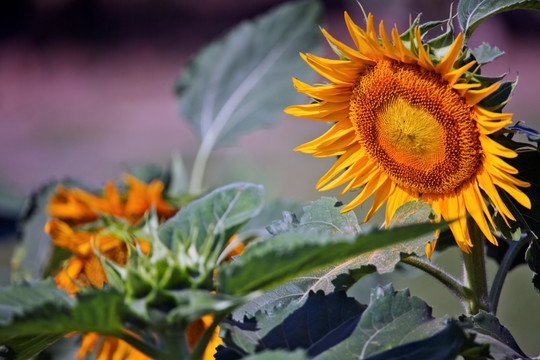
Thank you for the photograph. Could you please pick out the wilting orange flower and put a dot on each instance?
(77, 206)
(72, 208)
(406, 127)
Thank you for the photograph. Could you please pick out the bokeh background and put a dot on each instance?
(86, 92)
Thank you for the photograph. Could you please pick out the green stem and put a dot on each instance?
(174, 344)
(475, 270)
(504, 267)
(462, 292)
(199, 166)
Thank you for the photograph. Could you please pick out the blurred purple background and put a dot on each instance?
(86, 90)
(86, 85)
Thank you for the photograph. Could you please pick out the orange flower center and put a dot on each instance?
(416, 127)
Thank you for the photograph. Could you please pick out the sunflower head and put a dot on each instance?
(408, 124)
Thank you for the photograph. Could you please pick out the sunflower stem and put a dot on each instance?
(174, 345)
(475, 270)
(462, 292)
(500, 276)
(199, 166)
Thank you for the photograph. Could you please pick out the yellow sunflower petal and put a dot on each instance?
(475, 96)
(324, 111)
(449, 59)
(332, 92)
(423, 57)
(381, 195)
(453, 76)
(377, 180)
(397, 198)
(342, 128)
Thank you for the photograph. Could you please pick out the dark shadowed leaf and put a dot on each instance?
(489, 330)
(235, 85)
(532, 257)
(497, 100)
(223, 211)
(447, 344)
(472, 12)
(391, 319)
(322, 322)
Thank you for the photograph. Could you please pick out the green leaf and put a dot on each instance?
(278, 354)
(194, 304)
(32, 254)
(489, 330)
(270, 212)
(485, 53)
(177, 180)
(235, 85)
(320, 323)
(532, 256)
(34, 315)
(497, 100)
(321, 215)
(223, 211)
(472, 12)
(391, 319)
(447, 344)
(271, 262)
(384, 260)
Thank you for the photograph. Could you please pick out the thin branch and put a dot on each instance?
(502, 272)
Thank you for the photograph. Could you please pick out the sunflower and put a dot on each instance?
(409, 127)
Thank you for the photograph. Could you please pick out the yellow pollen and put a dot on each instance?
(412, 135)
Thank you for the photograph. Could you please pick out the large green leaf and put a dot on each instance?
(236, 84)
(321, 215)
(391, 319)
(472, 12)
(221, 212)
(34, 315)
(271, 262)
(447, 344)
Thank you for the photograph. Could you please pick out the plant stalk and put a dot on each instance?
(504, 267)
(475, 270)
(174, 345)
(199, 167)
(462, 292)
